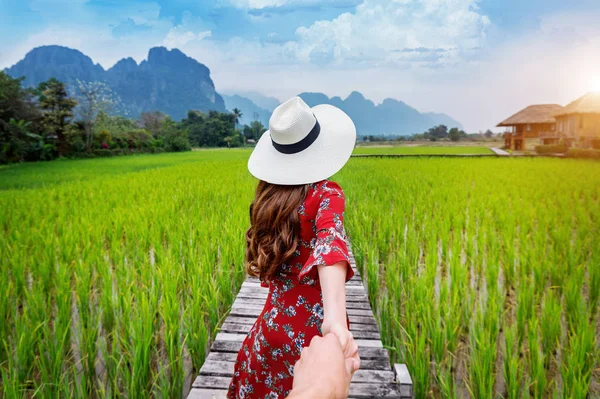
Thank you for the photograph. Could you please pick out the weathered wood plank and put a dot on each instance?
(249, 321)
(203, 393)
(362, 320)
(357, 390)
(261, 302)
(231, 327)
(218, 375)
(381, 363)
(225, 369)
(365, 352)
(235, 310)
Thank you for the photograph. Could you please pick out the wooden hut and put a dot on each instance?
(579, 122)
(529, 123)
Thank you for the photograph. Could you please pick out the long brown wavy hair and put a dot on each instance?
(274, 229)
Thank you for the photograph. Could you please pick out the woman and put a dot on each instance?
(296, 245)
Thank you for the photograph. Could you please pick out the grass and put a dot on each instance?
(116, 273)
(461, 250)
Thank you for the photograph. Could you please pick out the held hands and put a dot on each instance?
(326, 366)
(349, 346)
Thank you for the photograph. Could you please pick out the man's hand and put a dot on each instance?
(322, 370)
(349, 347)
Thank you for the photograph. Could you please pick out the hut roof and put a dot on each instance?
(588, 104)
(541, 113)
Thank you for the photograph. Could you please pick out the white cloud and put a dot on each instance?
(380, 32)
(179, 37)
(273, 4)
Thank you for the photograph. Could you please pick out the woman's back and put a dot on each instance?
(293, 312)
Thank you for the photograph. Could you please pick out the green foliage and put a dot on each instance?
(551, 148)
(213, 130)
(437, 132)
(418, 225)
(19, 122)
(57, 109)
(31, 131)
(254, 131)
(455, 134)
(586, 153)
(426, 232)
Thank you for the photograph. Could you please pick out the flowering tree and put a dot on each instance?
(94, 98)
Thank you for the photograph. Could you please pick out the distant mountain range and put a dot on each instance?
(250, 110)
(168, 81)
(391, 117)
(173, 83)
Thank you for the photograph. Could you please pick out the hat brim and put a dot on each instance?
(321, 160)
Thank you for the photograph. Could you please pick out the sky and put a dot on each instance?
(478, 61)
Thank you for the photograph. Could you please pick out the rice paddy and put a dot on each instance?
(116, 272)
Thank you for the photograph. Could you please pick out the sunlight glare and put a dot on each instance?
(595, 84)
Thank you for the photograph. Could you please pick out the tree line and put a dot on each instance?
(52, 120)
(439, 132)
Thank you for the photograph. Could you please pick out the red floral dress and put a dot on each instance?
(293, 312)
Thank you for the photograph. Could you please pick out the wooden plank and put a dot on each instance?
(357, 390)
(231, 327)
(218, 375)
(235, 310)
(381, 363)
(261, 303)
(202, 393)
(225, 369)
(249, 321)
(363, 320)
(351, 295)
(365, 352)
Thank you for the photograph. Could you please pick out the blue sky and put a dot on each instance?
(477, 60)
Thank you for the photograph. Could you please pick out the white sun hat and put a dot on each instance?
(303, 145)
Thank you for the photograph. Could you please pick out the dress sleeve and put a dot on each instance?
(329, 245)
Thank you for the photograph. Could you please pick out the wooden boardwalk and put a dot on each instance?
(375, 379)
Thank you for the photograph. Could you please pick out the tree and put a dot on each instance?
(454, 134)
(488, 133)
(58, 109)
(437, 132)
(175, 139)
(237, 115)
(254, 131)
(152, 122)
(20, 119)
(95, 97)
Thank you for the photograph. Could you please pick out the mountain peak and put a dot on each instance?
(391, 117)
(168, 81)
(355, 95)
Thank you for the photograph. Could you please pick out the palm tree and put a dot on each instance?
(237, 115)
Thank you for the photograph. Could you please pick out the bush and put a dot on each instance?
(177, 144)
(586, 153)
(551, 149)
(104, 152)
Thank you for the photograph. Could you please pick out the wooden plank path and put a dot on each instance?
(499, 152)
(375, 379)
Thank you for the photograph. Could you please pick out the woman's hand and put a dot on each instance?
(349, 346)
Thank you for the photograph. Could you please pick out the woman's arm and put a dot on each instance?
(333, 288)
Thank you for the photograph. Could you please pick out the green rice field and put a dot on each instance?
(484, 273)
(423, 150)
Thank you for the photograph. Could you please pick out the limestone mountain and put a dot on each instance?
(250, 110)
(391, 117)
(168, 81)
